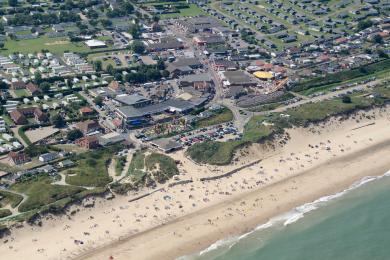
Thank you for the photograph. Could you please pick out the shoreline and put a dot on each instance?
(269, 179)
(358, 162)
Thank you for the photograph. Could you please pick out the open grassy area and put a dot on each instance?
(91, 169)
(221, 153)
(146, 169)
(54, 45)
(9, 198)
(193, 10)
(223, 116)
(5, 213)
(214, 152)
(119, 164)
(41, 192)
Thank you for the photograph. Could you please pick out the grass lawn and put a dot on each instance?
(41, 192)
(146, 169)
(314, 112)
(9, 198)
(5, 213)
(193, 10)
(91, 169)
(54, 45)
(223, 116)
(119, 164)
(20, 93)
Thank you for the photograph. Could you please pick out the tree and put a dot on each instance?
(106, 23)
(1, 45)
(57, 120)
(138, 47)
(98, 65)
(13, 3)
(37, 77)
(382, 54)
(110, 69)
(45, 87)
(377, 39)
(165, 73)
(98, 101)
(135, 31)
(346, 99)
(364, 25)
(118, 76)
(160, 64)
(74, 134)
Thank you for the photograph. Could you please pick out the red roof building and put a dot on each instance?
(18, 158)
(18, 85)
(88, 126)
(114, 86)
(85, 111)
(88, 142)
(20, 115)
(32, 89)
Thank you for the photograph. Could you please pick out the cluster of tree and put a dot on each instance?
(364, 24)
(57, 120)
(145, 74)
(74, 134)
(43, 18)
(138, 47)
(124, 8)
(69, 4)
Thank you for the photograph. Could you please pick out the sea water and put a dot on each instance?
(350, 225)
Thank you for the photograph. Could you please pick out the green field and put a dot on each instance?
(119, 164)
(91, 169)
(5, 213)
(193, 10)
(9, 198)
(147, 169)
(223, 116)
(41, 192)
(54, 45)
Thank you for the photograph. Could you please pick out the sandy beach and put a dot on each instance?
(315, 161)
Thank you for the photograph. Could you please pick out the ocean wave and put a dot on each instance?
(289, 217)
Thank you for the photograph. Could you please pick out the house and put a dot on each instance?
(114, 86)
(20, 115)
(66, 163)
(201, 81)
(18, 85)
(183, 66)
(86, 111)
(32, 89)
(47, 169)
(88, 142)
(47, 157)
(166, 145)
(88, 126)
(223, 65)
(134, 100)
(18, 158)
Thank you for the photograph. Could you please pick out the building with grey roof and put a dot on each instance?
(134, 100)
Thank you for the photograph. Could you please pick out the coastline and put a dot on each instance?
(152, 244)
(267, 180)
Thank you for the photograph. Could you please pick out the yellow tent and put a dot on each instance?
(263, 75)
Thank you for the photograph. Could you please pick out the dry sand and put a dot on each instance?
(186, 218)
